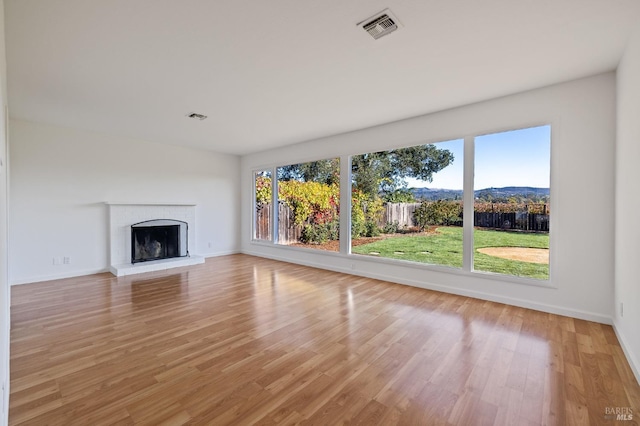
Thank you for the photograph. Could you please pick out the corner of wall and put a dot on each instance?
(5, 291)
(626, 309)
(634, 362)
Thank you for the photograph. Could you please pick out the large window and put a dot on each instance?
(407, 204)
(511, 208)
(263, 209)
(309, 204)
(428, 204)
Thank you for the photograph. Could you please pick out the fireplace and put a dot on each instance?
(158, 239)
(122, 245)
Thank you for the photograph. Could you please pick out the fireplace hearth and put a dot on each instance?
(158, 239)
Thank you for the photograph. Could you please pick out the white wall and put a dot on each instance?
(61, 178)
(5, 296)
(627, 235)
(582, 114)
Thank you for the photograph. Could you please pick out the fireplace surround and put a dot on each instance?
(123, 215)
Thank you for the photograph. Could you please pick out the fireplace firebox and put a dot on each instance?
(159, 239)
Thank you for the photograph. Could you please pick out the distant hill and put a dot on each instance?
(495, 193)
(436, 194)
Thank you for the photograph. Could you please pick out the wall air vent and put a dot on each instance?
(380, 25)
(196, 116)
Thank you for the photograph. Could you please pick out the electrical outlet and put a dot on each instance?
(57, 260)
(621, 309)
(66, 260)
(209, 244)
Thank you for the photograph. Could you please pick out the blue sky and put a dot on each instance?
(514, 158)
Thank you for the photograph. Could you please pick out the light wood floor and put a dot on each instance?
(243, 340)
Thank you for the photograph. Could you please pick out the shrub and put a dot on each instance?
(357, 225)
(371, 229)
(314, 234)
(391, 228)
(333, 229)
(310, 202)
(365, 214)
(263, 190)
(438, 213)
(319, 233)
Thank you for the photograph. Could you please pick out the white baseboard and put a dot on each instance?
(552, 309)
(70, 274)
(80, 273)
(220, 253)
(634, 363)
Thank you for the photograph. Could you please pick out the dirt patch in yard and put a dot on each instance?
(522, 254)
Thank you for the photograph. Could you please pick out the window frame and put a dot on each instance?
(438, 267)
(272, 217)
(468, 203)
(495, 275)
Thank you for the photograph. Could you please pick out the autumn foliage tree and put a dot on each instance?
(311, 190)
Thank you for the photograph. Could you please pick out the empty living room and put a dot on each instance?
(319, 213)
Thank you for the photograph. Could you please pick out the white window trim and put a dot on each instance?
(273, 215)
(468, 203)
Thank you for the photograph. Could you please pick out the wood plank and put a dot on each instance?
(245, 340)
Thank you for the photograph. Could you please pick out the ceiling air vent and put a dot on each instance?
(380, 24)
(196, 116)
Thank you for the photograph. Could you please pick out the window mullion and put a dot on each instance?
(345, 205)
(274, 206)
(468, 200)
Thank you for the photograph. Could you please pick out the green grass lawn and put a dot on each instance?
(445, 248)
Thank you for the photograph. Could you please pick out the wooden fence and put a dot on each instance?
(263, 222)
(522, 221)
(288, 231)
(402, 213)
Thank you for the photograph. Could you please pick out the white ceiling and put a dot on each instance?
(277, 72)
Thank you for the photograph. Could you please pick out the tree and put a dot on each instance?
(385, 172)
(400, 195)
(322, 171)
(378, 173)
(438, 213)
(485, 195)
